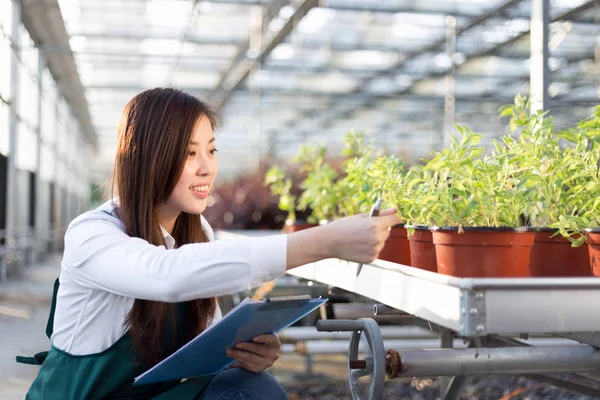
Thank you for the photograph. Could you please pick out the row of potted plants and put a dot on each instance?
(520, 210)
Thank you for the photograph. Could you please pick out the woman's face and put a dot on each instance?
(199, 172)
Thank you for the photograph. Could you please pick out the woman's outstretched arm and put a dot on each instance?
(99, 255)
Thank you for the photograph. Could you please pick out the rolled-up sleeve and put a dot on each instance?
(99, 255)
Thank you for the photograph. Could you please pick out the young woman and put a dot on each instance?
(140, 274)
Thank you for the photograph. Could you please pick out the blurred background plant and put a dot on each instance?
(244, 203)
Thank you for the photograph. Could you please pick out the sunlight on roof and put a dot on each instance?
(315, 20)
(160, 46)
(284, 51)
(69, 9)
(167, 12)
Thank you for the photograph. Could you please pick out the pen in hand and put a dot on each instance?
(373, 213)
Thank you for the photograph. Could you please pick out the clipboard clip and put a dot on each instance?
(286, 298)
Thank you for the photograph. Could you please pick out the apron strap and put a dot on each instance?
(50, 323)
(37, 359)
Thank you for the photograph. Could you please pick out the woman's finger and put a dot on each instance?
(267, 339)
(385, 221)
(389, 211)
(263, 350)
(242, 355)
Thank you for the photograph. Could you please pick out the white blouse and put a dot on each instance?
(103, 270)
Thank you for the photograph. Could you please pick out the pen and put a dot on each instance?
(373, 213)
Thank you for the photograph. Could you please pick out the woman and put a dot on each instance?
(138, 280)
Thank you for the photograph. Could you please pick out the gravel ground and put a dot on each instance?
(478, 388)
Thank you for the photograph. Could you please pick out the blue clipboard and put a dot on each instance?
(205, 354)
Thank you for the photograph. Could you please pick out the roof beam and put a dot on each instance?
(307, 43)
(224, 88)
(383, 7)
(135, 63)
(356, 99)
(133, 35)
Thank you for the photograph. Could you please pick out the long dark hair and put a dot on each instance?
(154, 133)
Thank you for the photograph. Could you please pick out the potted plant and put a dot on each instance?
(583, 186)
(417, 200)
(477, 209)
(549, 173)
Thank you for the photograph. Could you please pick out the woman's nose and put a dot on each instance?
(204, 166)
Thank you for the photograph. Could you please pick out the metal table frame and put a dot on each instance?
(470, 306)
(482, 310)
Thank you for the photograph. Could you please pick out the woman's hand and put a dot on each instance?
(256, 356)
(358, 238)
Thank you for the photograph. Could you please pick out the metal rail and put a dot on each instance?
(506, 360)
(470, 306)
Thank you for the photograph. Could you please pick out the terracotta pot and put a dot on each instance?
(483, 252)
(422, 249)
(592, 238)
(295, 226)
(554, 256)
(396, 248)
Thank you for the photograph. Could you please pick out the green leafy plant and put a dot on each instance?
(582, 182)
(356, 185)
(416, 196)
(280, 184)
(357, 145)
(336, 192)
(560, 181)
(319, 190)
(473, 190)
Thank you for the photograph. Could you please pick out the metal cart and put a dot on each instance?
(491, 314)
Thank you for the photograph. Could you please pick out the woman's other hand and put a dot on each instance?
(256, 356)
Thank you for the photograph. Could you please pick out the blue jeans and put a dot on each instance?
(240, 384)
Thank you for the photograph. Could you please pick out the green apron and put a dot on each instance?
(105, 375)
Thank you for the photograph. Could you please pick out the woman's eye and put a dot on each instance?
(213, 151)
(191, 153)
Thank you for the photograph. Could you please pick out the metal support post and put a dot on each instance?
(539, 71)
(57, 157)
(255, 126)
(308, 365)
(11, 198)
(450, 83)
(446, 339)
(71, 134)
(455, 387)
(37, 231)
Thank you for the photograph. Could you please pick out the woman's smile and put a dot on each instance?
(200, 191)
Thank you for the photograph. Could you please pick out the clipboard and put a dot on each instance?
(205, 354)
